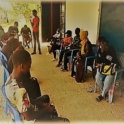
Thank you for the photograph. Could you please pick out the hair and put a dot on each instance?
(5, 36)
(20, 57)
(77, 30)
(16, 23)
(102, 39)
(35, 11)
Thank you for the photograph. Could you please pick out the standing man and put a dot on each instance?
(35, 26)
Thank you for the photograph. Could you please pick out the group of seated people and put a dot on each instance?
(106, 54)
(14, 31)
(22, 90)
(80, 45)
(22, 86)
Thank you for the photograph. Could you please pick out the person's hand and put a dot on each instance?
(98, 65)
(50, 109)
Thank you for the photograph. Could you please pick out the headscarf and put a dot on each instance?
(84, 39)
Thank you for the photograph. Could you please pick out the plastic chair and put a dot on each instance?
(117, 78)
(95, 49)
(13, 112)
(6, 75)
(70, 58)
(3, 60)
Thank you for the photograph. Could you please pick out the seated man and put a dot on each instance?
(9, 45)
(75, 45)
(14, 30)
(26, 34)
(66, 43)
(18, 95)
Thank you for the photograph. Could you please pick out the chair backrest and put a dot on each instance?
(95, 49)
(12, 110)
(3, 60)
(6, 75)
(120, 57)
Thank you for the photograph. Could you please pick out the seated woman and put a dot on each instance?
(86, 50)
(55, 43)
(75, 45)
(106, 55)
(65, 44)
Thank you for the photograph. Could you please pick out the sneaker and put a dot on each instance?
(54, 59)
(58, 65)
(48, 53)
(33, 53)
(40, 52)
(62, 69)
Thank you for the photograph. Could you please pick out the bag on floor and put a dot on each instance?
(79, 77)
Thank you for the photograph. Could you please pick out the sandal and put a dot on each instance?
(99, 98)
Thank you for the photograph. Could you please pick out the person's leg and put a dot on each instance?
(51, 118)
(107, 83)
(99, 79)
(61, 57)
(38, 42)
(72, 69)
(66, 55)
(34, 37)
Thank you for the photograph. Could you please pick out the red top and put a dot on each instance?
(35, 26)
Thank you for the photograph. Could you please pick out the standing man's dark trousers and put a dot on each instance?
(36, 39)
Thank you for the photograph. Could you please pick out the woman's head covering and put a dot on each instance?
(84, 39)
(83, 35)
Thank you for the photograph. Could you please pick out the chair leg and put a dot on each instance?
(120, 88)
(95, 87)
(110, 93)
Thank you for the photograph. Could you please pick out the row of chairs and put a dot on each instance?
(9, 108)
(118, 74)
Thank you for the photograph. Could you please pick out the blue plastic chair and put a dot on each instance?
(3, 60)
(95, 49)
(14, 113)
(70, 58)
(6, 75)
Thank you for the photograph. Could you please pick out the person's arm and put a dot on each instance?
(30, 114)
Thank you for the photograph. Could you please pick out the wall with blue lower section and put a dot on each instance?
(112, 24)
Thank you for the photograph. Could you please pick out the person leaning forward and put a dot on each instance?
(18, 96)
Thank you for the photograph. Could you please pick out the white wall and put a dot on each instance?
(83, 14)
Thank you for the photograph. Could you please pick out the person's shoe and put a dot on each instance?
(40, 52)
(33, 53)
(99, 98)
(58, 65)
(48, 53)
(53, 59)
(63, 69)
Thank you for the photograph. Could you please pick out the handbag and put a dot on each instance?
(107, 69)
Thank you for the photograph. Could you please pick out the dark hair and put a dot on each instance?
(69, 32)
(35, 11)
(20, 57)
(16, 23)
(77, 30)
(102, 39)
(5, 36)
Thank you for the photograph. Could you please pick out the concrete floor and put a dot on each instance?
(71, 99)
